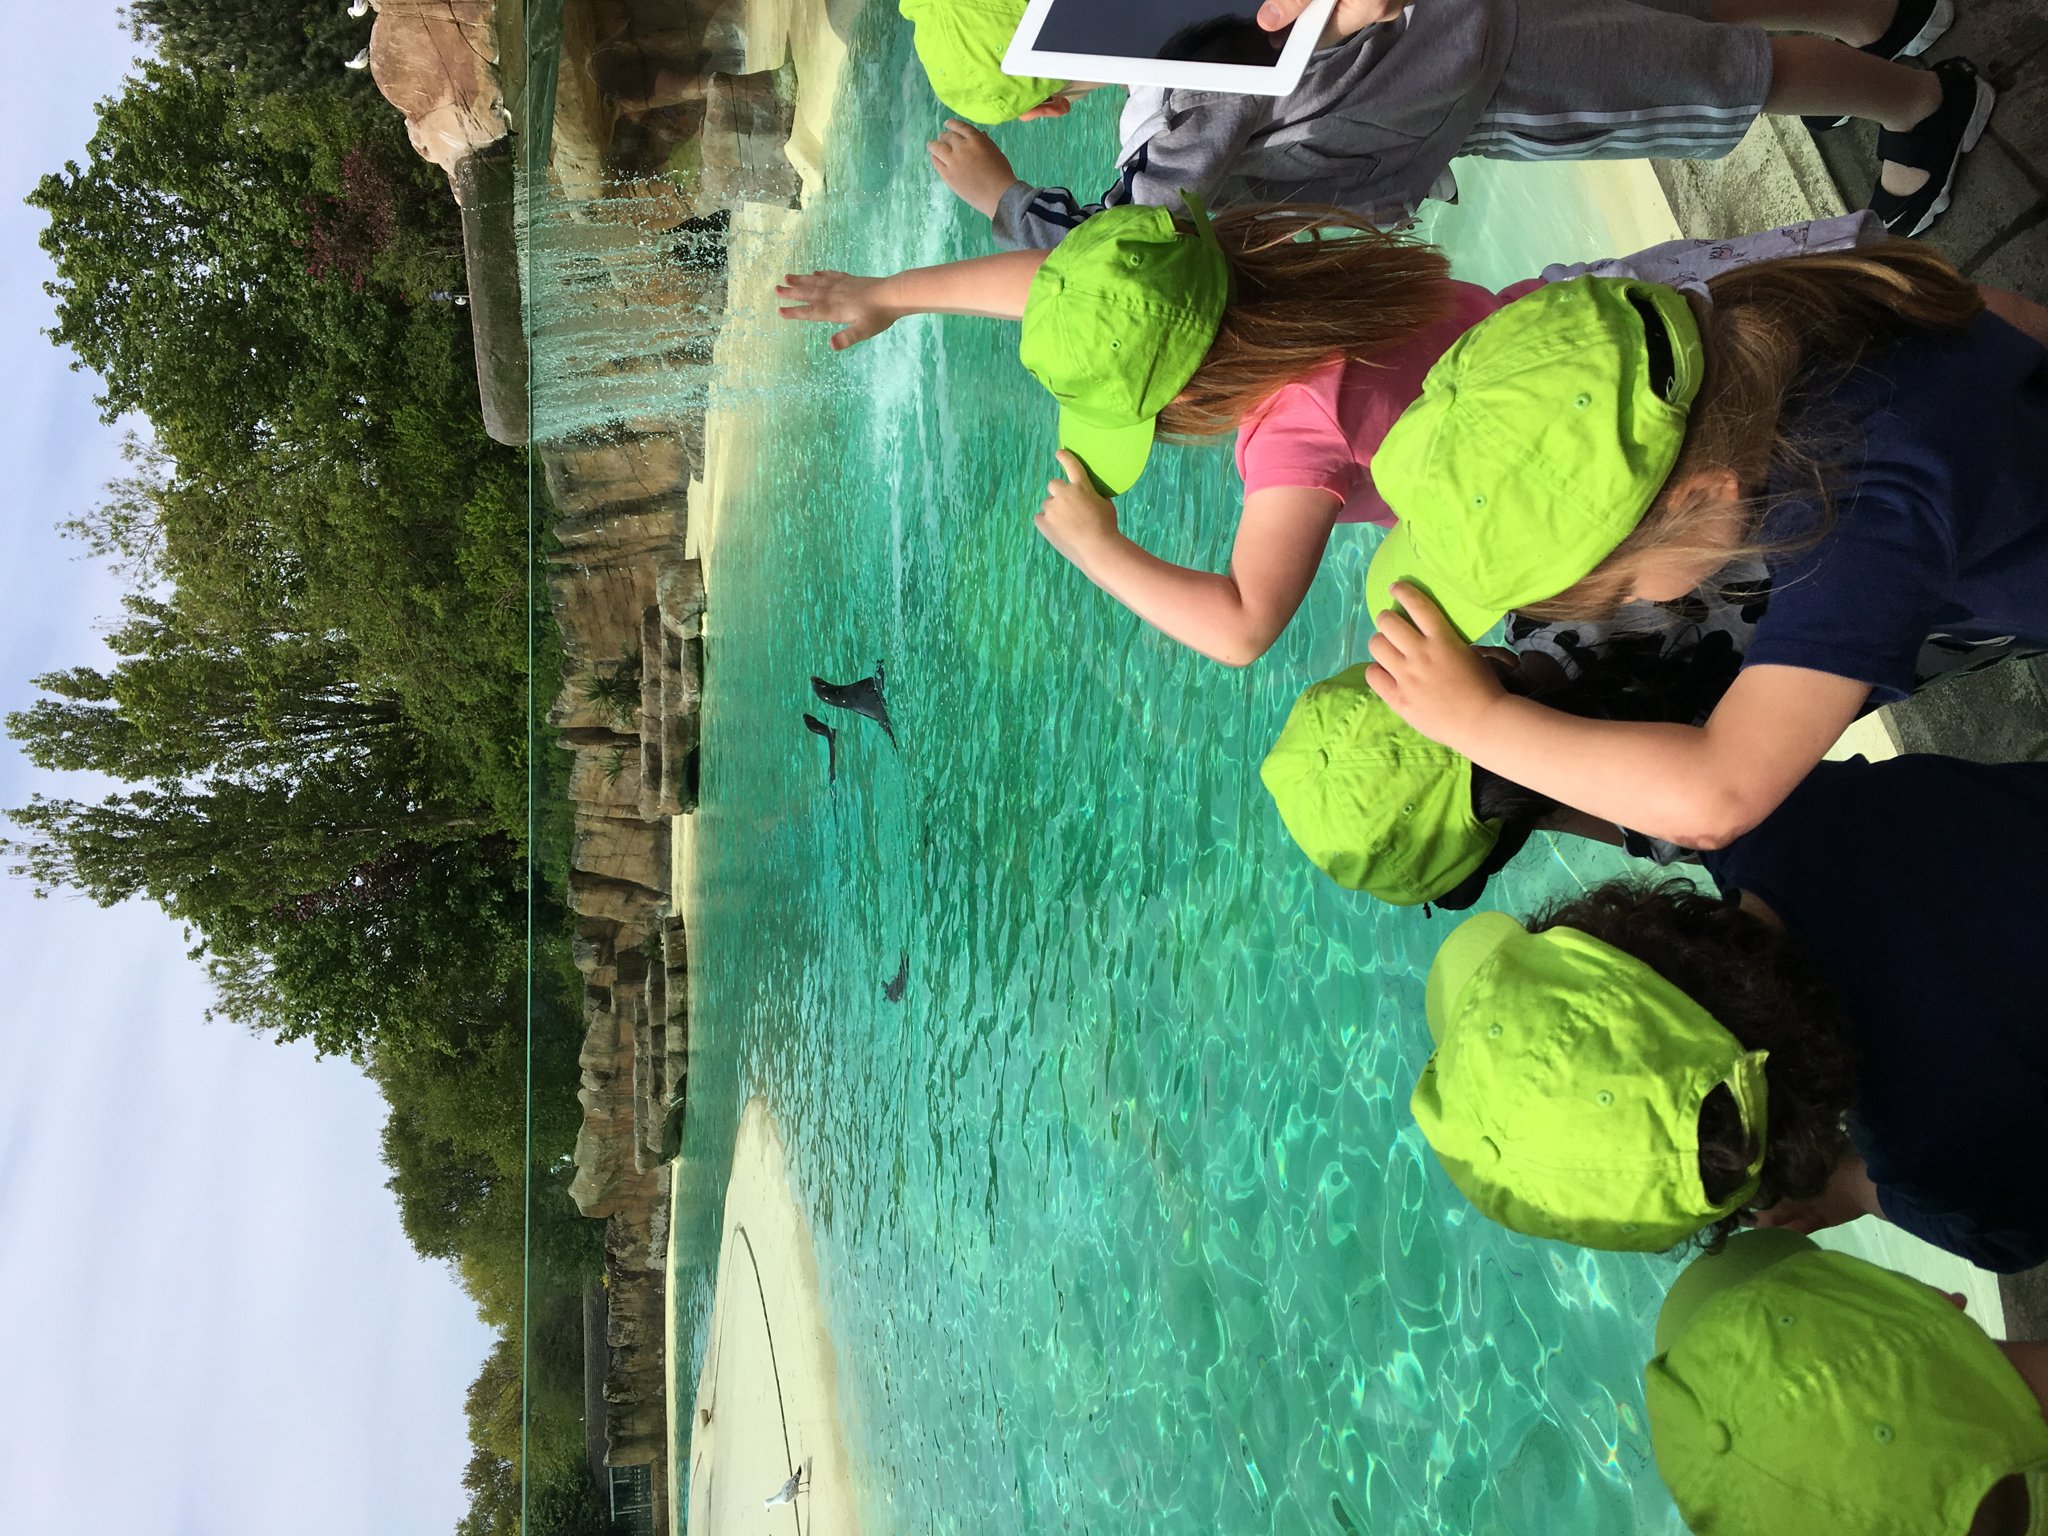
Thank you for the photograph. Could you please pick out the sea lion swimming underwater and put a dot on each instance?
(863, 698)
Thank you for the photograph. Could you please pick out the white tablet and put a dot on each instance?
(1202, 45)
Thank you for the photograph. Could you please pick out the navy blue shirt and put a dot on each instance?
(1920, 887)
(1941, 511)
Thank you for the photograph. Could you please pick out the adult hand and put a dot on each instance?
(1350, 16)
(1847, 1195)
(837, 298)
(969, 163)
(1074, 513)
(1427, 673)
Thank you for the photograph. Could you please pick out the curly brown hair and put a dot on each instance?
(1760, 984)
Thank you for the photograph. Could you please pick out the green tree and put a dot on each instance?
(320, 466)
(272, 45)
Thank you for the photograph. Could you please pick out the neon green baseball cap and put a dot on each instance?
(1116, 322)
(1798, 1392)
(1377, 805)
(961, 44)
(1542, 437)
(1564, 1095)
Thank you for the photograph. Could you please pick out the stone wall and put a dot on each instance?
(630, 609)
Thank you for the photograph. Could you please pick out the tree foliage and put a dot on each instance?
(310, 741)
(270, 45)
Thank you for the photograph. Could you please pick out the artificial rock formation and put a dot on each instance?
(436, 61)
(636, 79)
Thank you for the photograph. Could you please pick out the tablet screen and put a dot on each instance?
(1195, 31)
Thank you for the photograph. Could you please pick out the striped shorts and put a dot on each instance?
(1621, 80)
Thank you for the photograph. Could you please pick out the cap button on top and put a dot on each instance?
(1603, 1098)
(1882, 1433)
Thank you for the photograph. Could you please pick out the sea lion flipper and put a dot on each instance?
(818, 727)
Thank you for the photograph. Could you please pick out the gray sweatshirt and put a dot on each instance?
(1371, 127)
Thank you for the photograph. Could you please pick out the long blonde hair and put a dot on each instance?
(1775, 328)
(1308, 284)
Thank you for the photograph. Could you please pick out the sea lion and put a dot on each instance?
(894, 990)
(818, 727)
(863, 698)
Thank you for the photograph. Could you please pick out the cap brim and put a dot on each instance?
(1397, 559)
(1468, 947)
(1115, 456)
(1745, 1256)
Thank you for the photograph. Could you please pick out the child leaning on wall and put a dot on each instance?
(1396, 92)
(1307, 349)
(1851, 1028)
(1797, 1392)
(1858, 421)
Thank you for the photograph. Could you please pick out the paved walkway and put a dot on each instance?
(1996, 230)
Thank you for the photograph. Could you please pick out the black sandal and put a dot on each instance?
(1935, 145)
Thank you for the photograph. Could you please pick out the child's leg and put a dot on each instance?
(1603, 79)
(1819, 74)
(1612, 79)
(1855, 22)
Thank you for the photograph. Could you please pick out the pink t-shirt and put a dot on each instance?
(1321, 431)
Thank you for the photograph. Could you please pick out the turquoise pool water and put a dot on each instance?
(1124, 1221)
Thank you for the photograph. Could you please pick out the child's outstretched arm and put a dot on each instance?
(1233, 617)
(1700, 786)
(994, 286)
(972, 167)
(2023, 315)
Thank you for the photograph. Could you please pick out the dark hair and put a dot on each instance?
(1760, 984)
(1630, 680)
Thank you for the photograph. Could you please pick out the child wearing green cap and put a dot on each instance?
(1264, 323)
(1858, 421)
(1839, 1034)
(1797, 1392)
(1398, 91)
(1382, 809)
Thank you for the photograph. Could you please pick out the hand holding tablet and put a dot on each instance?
(1209, 45)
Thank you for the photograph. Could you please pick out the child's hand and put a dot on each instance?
(1848, 1194)
(1427, 673)
(1074, 513)
(1350, 16)
(968, 161)
(837, 298)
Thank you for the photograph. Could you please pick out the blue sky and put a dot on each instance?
(209, 1319)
